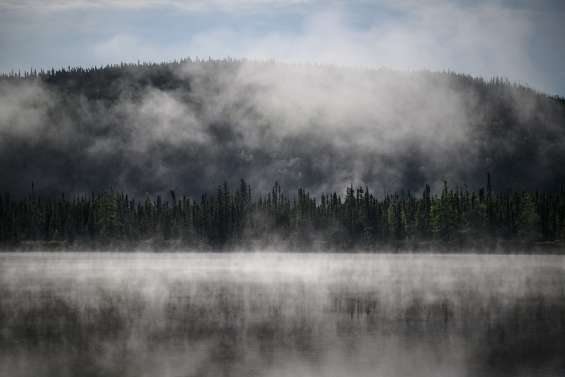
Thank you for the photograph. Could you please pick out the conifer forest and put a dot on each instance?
(151, 141)
(237, 218)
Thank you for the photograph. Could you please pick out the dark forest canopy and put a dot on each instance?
(454, 219)
(148, 128)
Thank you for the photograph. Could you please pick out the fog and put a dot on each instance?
(520, 40)
(276, 314)
(193, 125)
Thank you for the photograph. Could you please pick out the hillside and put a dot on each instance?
(190, 125)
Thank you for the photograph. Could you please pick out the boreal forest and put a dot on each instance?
(234, 219)
(153, 154)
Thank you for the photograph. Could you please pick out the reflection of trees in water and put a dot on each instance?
(216, 326)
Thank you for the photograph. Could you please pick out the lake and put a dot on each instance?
(281, 314)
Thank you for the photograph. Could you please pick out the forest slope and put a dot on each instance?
(190, 125)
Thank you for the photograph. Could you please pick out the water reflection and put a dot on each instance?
(281, 315)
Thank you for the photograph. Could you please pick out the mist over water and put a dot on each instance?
(273, 314)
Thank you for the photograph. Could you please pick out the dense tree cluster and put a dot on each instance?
(238, 218)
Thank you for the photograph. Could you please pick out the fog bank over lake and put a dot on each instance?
(275, 314)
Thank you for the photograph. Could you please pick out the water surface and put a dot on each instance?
(281, 314)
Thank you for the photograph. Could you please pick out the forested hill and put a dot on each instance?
(185, 126)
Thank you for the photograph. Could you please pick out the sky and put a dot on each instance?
(520, 40)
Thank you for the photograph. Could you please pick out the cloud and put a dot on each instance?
(60, 5)
(519, 40)
(483, 40)
(486, 40)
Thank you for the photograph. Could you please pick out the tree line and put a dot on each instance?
(96, 82)
(231, 218)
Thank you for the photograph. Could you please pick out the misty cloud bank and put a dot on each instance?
(190, 126)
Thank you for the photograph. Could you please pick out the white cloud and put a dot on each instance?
(479, 38)
(483, 40)
(182, 4)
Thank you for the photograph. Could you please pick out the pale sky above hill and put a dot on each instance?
(520, 40)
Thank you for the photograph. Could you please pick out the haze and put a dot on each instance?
(520, 40)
